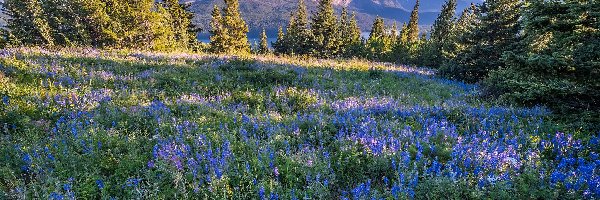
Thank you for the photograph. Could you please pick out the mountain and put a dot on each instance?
(269, 14)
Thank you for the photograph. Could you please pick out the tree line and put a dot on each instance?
(521, 51)
(136, 24)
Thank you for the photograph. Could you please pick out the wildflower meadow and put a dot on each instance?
(116, 124)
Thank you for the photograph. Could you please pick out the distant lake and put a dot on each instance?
(252, 41)
(255, 40)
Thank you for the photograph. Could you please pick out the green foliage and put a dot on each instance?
(378, 44)
(496, 32)
(413, 24)
(325, 30)
(440, 42)
(559, 64)
(350, 35)
(142, 24)
(264, 44)
(228, 30)
(299, 39)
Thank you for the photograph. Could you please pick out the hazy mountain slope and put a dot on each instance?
(271, 13)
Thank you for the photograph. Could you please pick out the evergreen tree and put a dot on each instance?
(459, 36)
(140, 24)
(400, 50)
(378, 44)
(235, 28)
(354, 44)
(264, 45)
(26, 22)
(279, 45)
(440, 40)
(403, 38)
(496, 33)
(378, 29)
(218, 35)
(344, 29)
(299, 37)
(557, 63)
(181, 22)
(393, 37)
(413, 25)
(229, 30)
(324, 29)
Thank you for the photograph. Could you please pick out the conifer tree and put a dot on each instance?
(299, 36)
(324, 29)
(279, 45)
(354, 44)
(557, 61)
(377, 44)
(393, 37)
(235, 27)
(496, 33)
(218, 33)
(26, 22)
(440, 41)
(463, 27)
(413, 24)
(264, 45)
(343, 28)
(181, 22)
(378, 29)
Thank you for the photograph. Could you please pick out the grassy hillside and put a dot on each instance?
(97, 124)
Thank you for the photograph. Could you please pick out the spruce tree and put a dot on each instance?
(378, 29)
(264, 45)
(463, 28)
(181, 22)
(442, 28)
(299, 36)
(377, 45)
(235, 29)
(344, 29)
(279, 45)
(413, 24)
(393, 37)
(26, 22)
(355, 46)
(496, 33)
(324, 29)
(218, 33)
(557, 61)
(400, 49)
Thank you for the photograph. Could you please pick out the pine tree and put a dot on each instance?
(400, 50)
(279, 45)
(218, 33)
(556, 63)
(378, 29)
(355, 46)
(181, 22)
(393, 37)
(299, 37)
(236, 28)
(440, 41)
(324, 29)
(377, 44)
(413, 25)
(26, 22)
(264, 45)
(496, 33)
(463, 28)
(343, 28)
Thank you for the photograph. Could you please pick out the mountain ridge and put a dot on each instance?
(270, 14)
